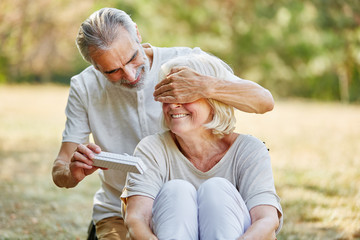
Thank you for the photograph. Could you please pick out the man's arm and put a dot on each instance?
(138, 217)
(264, 222)
(73, 164)
(185, 85)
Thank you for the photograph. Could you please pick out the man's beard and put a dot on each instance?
(143, 71)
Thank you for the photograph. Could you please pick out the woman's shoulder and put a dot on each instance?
(247, 140)
(156, 139)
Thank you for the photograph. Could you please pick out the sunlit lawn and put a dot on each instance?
(315, 149)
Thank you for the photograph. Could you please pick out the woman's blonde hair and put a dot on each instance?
(223, 121)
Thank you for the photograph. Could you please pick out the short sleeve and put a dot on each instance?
(77, 124)
(149, 183)
(256, 182)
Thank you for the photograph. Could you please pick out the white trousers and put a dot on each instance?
(215, 211)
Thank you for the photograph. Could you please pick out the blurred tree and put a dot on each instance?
(296, 48)
(340, 21)
(37, 38)
(283, 45)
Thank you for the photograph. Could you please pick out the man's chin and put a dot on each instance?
(135, 87)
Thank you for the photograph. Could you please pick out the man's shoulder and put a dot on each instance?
(88, 77)
(88, 84)
(166, 53)
(89, 72)
(180, 50)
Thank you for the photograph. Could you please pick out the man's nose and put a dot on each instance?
(129, 74)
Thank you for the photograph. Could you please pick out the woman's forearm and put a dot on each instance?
(264, 223)
(138, 217)
(139, 230)
(263, 229)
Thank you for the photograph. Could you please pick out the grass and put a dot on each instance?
(32, 207)
(315, 151)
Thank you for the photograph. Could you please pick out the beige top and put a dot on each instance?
(246, 165)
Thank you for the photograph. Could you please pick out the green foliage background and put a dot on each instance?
(298, 48)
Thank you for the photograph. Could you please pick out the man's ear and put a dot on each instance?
(138, 34)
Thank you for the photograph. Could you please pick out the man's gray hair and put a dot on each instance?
(224, 120)
(101, 29)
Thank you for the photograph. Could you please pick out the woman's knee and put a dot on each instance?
(217, 191)
(178, 186)
(215, 182)
(175, 211)
(176, 191)
(214, 186)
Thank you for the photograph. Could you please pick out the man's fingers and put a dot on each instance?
(177, 69)
(166, 81)
(95, 148)
(81, 164)
(163, 89)
(166, 87)
(167, 99)
(84, 150)
(171, 77)
(81, 158)
(88, 151)
(177, 87)
(172, 94)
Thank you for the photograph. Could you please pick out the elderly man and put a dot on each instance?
(113, 99)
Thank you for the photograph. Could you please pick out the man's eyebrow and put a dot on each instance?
(132, 58)
(111, 71)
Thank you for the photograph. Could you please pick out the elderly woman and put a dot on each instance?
(203, 181)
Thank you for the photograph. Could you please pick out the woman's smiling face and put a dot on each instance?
(187, 117)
